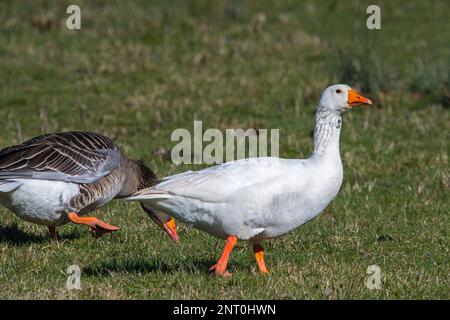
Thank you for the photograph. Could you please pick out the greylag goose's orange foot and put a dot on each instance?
(258, 250)
(53, 234)
(220, 268)
(97, 227)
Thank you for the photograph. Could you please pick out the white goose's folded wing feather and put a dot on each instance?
(81, 157)
(215, 184)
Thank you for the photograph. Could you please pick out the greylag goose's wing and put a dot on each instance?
(76, 156)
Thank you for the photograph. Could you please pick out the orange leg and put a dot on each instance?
(96, 227)
(220, 267)
(259, 255)
(53, 234)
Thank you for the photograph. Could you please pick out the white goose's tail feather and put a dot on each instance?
(149, 194)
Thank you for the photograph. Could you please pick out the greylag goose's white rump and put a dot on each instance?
(260, 198)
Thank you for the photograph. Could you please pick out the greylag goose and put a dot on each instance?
(60, 177)
(260, 198)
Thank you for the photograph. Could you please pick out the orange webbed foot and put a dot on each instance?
(97, 227)
(220, 271)
(258, 250)
(220, 268)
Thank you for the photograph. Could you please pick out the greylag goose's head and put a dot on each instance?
(164, 221)
(341, 97)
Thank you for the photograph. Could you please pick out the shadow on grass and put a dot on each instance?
(13, 235)
(147, 266)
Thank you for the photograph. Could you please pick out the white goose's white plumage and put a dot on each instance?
(260, 198)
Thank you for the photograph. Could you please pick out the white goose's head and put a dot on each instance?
(340, 97)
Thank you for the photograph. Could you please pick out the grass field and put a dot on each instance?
(138, 70)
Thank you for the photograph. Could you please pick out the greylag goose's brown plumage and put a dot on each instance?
(59, 177)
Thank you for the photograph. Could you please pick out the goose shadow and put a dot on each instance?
(13, 235)
(147, 266)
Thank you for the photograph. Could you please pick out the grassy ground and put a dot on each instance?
(138, 70)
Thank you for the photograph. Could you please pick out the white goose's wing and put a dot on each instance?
(216, 183)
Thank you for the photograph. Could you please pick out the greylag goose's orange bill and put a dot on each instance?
(355, 99)
(164, 221)
(171, 228)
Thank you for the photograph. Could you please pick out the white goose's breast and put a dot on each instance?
(40, 201)
(295, 205)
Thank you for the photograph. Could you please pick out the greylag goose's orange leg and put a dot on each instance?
(96, 227)
(259, 255)
(53, 234)
(220, 267)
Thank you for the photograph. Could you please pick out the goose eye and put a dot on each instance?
(338, 91)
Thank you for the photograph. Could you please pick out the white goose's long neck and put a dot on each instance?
(327, 130)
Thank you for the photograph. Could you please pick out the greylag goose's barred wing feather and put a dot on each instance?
(76, 156)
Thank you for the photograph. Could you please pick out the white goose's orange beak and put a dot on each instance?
(354, 99)
(171, 229)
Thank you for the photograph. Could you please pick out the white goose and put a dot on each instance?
(260, 198)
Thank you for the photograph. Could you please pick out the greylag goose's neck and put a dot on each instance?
(138, 176)
(327, 130)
